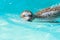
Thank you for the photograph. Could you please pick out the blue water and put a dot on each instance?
(12, 27)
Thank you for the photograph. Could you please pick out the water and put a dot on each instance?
(12, 27)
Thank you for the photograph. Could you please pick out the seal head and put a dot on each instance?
(27, 15)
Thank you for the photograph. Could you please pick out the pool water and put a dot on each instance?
(13, 27)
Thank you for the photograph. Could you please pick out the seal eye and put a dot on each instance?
(30, 15)
(23, 16)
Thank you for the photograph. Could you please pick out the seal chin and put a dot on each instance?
(29, 20)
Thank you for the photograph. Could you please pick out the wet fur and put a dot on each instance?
(48, 10)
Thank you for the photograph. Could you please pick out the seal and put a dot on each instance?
(45, 13)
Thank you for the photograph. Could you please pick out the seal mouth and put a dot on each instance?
(29, 18)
